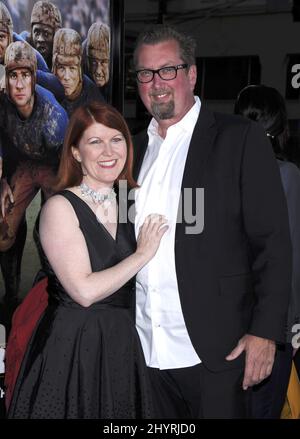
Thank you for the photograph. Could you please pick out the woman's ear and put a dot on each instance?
(76, 154)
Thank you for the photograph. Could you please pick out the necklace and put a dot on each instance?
(97, 196)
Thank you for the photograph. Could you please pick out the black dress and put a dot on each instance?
(86, 362)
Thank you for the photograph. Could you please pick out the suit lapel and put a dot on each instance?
(202, 141)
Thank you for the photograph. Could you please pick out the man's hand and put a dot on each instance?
(260, 353)
(5, 195)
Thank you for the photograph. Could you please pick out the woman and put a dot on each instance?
(266, 106)
(84, 359)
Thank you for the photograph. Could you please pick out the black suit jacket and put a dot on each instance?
(234, 277)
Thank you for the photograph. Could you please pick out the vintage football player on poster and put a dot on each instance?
(54, 57)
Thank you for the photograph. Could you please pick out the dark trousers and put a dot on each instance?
(267, 398)
(197, 393)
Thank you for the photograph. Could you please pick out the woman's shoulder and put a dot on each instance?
(59, 204)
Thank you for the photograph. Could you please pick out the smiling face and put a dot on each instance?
(102, 152)
(167, 101)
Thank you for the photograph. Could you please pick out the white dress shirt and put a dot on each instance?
(159, 319)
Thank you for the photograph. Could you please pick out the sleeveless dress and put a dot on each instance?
(86, 362)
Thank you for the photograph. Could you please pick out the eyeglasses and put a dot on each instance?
(166, 73)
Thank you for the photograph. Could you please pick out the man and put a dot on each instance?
(43, 75)
(45, 21)
(67, 58)
(7, 35)
(32, 127)
(208, 314)
(98, 55)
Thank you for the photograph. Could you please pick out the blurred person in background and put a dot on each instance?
(266, 106)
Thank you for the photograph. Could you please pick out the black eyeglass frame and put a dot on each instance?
(176, 68)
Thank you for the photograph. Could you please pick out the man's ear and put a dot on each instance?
(192, 73)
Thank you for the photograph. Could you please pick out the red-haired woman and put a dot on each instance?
(84, 359)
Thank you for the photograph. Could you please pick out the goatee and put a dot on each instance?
(163, 111)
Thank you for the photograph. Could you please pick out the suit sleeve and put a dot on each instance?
(266, 223)
(290, 175)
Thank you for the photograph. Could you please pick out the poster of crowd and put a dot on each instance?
(54, 57)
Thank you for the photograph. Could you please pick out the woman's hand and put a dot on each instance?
(150, 234)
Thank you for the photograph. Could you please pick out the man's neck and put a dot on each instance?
(162, 128)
